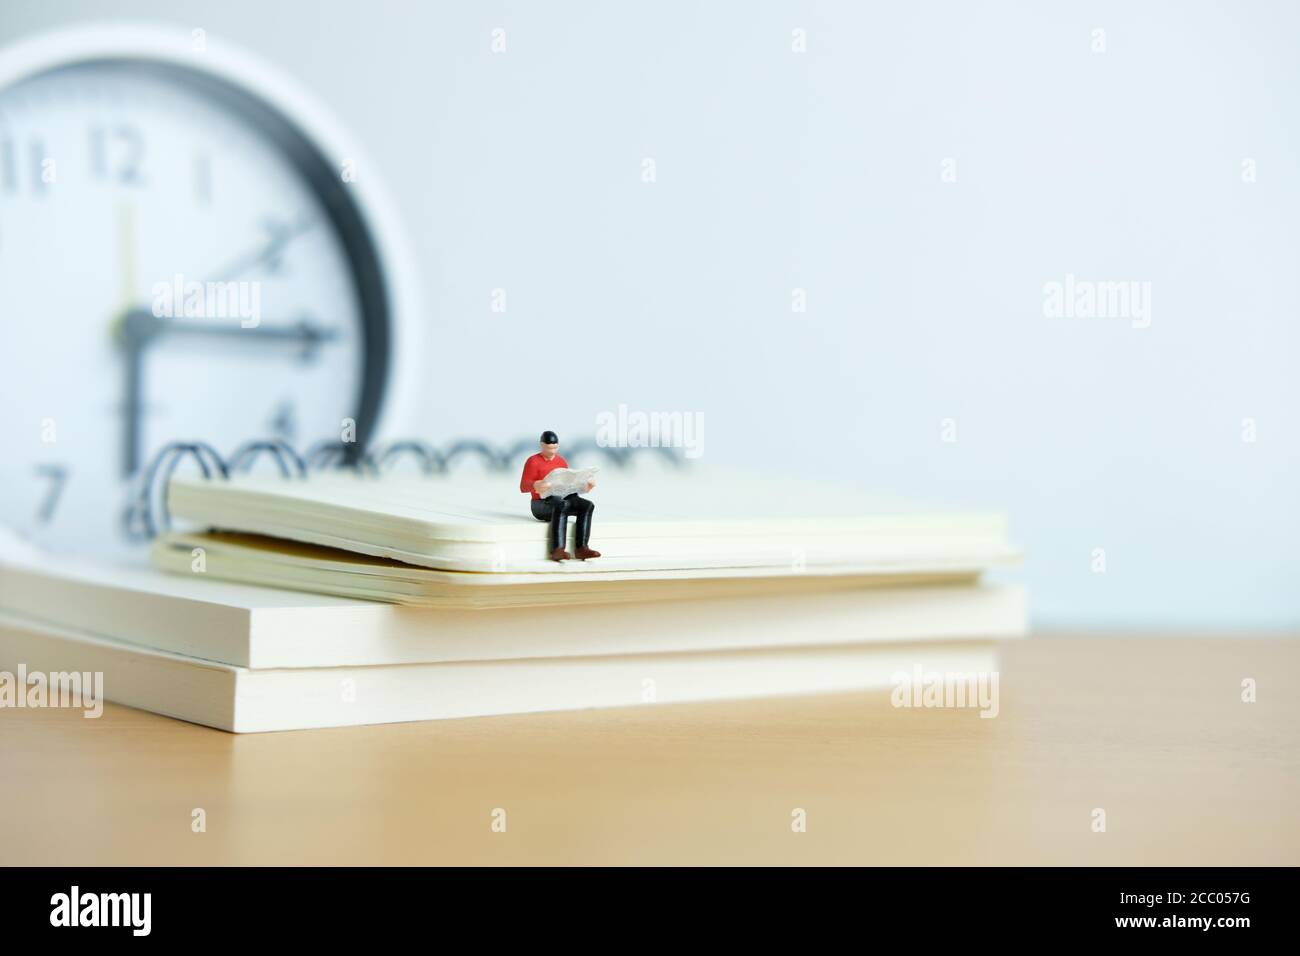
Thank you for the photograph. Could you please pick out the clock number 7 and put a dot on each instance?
(58, 477)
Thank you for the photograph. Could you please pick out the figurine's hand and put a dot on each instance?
(541, 487)
(590, 485)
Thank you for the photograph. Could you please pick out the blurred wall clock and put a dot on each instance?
(189, 249)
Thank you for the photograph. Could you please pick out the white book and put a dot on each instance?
(710, 522)
(261, 627)
(242, 700)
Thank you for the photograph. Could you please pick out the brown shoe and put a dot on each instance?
(559, 554)
(585, 553)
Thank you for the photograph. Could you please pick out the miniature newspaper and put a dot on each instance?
(569, 481)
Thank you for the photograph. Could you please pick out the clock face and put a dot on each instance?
(177, 262)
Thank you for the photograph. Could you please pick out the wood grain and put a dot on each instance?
(1152, 730)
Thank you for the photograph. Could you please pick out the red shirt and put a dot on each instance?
(536, 468)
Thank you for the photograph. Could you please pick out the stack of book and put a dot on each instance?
(346, 599)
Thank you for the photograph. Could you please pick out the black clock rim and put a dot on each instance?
(345, 216)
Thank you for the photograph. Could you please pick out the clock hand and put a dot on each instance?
(133, 384)
(133, 347)
(304, 332)
(269, 251)
(126, 256)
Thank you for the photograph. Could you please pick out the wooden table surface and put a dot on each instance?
(1152, 730)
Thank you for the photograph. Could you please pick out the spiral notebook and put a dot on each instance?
(372, 531)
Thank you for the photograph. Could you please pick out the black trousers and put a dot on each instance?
(556, 510)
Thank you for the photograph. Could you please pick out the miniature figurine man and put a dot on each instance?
(553, 508)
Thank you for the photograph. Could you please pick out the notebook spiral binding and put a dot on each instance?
(147, 515)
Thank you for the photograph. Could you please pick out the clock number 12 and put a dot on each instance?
(117, 154)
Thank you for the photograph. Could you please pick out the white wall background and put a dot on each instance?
(821, 170)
